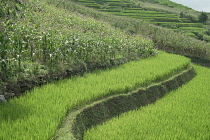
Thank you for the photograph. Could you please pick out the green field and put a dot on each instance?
(42, 110)
(163, 12)
(57, 56)
(183, 114)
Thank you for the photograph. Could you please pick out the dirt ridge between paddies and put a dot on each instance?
(82, 119)
(39, 113)
(183, 114)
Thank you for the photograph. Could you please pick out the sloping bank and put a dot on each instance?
(80, 120)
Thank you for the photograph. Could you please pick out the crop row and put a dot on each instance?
(38, 114)
(164, 38)
(87, 1)
(178, 24)
(155, 17)
(134, 9)
(152, 18)
(183, 114)
(113, 0)
(149, 15)
(58, 40)
(139, 14)
(110, 10)
(191, 28)
(145, 11)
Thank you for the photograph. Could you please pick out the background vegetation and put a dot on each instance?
(165, 39)
(159, 12)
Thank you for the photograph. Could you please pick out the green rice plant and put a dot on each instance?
(143, 12)
(86, 1)
(165, 19)
(191, 28)
(178, 24)
(182, 114)
(110, 10)
(190, 34)
(112, 7)
(39, 113)
(135, 9)
(190, 25)
(114, 1)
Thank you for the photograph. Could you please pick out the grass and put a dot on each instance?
(182, 114)
(38, 114)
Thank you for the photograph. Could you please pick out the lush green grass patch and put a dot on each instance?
(183, 114)
(38, 114)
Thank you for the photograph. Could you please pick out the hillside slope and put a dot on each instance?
(163, 13)
(38, 114)
(165, 39)
(40, 43)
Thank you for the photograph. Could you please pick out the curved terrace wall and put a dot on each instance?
(78, 121)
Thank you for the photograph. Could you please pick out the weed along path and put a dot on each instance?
(38, 114)
(183, 114)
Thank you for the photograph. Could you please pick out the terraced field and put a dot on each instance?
(142, 10)
(183, 114)
(38, 114)
(41, 42)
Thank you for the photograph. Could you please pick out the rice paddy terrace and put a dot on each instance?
(39, 113)
(43, 41)
(182, 114)
(162, 13)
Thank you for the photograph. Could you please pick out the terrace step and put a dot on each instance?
(80, 120)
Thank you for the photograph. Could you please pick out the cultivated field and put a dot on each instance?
(182, 114)
(160, 12)
(39, 113)
(57, 56)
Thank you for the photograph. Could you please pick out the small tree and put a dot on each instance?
(182, 15)
(203, 17)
